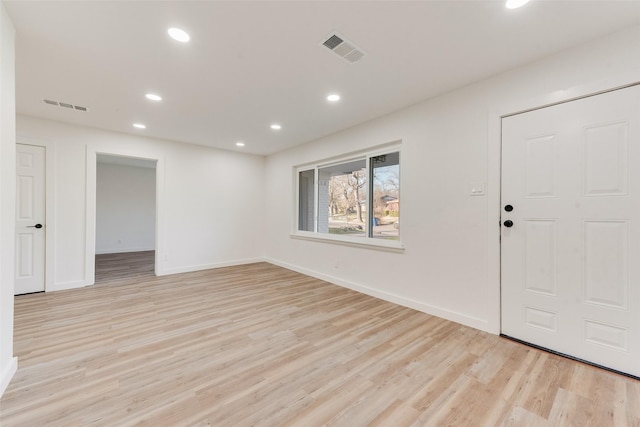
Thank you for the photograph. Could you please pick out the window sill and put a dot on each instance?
(357, 242)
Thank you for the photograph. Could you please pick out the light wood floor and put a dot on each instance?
(124, 267)
(259, 345)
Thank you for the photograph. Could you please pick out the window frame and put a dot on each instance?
(366, 241)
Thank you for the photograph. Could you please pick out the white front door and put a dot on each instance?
(30, 216)
(570, 243)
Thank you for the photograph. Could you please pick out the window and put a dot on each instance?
(356, 199)
(306, 188)
(342, 198)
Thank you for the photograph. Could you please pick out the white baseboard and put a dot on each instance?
(188, 269)
(121, 250)
(7, 373)
(453, 316)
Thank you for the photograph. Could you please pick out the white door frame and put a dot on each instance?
(90, 211)
(49, 207)
(494, 172)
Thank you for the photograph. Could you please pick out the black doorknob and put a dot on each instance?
(508, 223)
(38, 225)
(508, 208)
(35, 226)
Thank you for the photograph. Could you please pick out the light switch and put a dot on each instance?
(476, 189)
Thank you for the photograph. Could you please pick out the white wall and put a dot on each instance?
(125, 208)
(8, 363)
(450, 266)
(210, 202)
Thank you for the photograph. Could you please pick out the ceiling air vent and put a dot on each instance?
(65, 105)
(343, 48)
(333, 42)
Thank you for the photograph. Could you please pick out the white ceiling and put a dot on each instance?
(252, 63)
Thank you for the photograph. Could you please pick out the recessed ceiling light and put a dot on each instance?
(139, 126)
(239, 144)
(334, 97)
(514, 4)
(179, 35)
(276, 126)
(153, 97)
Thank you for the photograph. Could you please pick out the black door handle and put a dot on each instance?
(35, 226)
(508, 223)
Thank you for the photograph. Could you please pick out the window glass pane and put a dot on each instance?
(342, 199)
(386, 196)
(306, 208)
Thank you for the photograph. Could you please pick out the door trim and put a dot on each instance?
(589, 95)
(494, 172)
(90, 207)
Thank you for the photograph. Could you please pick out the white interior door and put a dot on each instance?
(570, 255)
(30, 216)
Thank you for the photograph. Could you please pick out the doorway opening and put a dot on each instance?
(125, 227)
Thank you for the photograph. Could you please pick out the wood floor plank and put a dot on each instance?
(259, 345)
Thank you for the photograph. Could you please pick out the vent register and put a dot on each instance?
(343, 48)
(65, 105)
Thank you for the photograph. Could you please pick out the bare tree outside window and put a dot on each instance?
(343, 186)
(359, 198)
